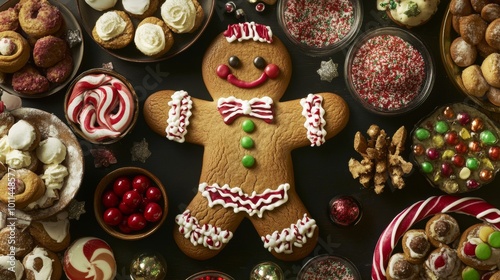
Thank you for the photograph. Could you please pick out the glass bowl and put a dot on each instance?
(106, 184)
(210, 274)
(399, 92)
(111, 84)
(328, 267)
(321, 34)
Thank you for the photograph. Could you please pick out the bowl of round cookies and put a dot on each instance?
(38, 57)
(41, 164)
(130, 203)
(145, 31)
(470, 50)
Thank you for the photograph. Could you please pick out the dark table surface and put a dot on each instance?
(320, 173)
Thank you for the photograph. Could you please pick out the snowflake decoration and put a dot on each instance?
(140, 151)
(328, 70)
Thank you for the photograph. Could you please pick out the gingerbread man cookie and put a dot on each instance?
(248, 136)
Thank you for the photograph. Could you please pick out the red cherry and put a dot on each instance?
(112, 216)
(132, 199)
(127, 210)
(153, 194)
(439, 262)
(136, 221)
(123, 226)
(110, 199)
(144, 202)
(470, 249)
(153, 212)
(141, 183)
(121, 186)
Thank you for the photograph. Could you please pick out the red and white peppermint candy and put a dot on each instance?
(472, 206)
(102, 105)
(89, 258)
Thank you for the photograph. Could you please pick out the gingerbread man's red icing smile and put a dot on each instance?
(248, 136)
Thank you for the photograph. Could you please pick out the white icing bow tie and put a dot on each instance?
(230, 108)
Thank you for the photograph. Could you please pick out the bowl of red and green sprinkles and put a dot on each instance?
(389, 71)
(328, 267)
(320, 28)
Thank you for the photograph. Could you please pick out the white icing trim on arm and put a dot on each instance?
(296, 235)
(313, 111)
(178, 116)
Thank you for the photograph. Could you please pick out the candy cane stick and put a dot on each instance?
(434, 205)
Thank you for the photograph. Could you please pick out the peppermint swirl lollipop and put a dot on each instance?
(425, 208)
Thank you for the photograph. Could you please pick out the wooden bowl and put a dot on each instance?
(106, 183)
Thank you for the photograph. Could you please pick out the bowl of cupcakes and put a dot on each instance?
(130, 203)
(38, 56)
(41, 164)
(470, 51)
(101, 106)
(145, 31)
(389, 71)
(320, 28)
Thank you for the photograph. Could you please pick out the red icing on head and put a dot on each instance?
(247, 31)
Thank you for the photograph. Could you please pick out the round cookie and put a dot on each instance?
(479, 247)
(460, 7)
(153, 37)
(10, 269)
(39, 18)
(49, 50)
(182, 16)
(491, 34)
(416, 246)
(256, 83)
(24, 243)
(9, 19)
(113, 30)
(442, 229)
(410, 14)
(400, 268)
(474, 82)
(472, 28)
(462, 53)
(140, 8)
(23, 136)
(14, 51)
(42, 264)
(29, 188)
(443, 263)
(493, 95)
(52, 233)
(491, 69)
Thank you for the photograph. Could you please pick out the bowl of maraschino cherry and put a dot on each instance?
(130, 203)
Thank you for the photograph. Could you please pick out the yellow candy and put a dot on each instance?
(438, 141)
(464, 133)
(448, 154)
(484, 233)
(487, 163)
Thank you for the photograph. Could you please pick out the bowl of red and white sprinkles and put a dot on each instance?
(320, 28)
(101, 106)
(389, 71)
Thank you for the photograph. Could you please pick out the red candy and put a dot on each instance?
(439, 262)
(131, 204)
(470, 249)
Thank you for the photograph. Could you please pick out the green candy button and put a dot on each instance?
(422, 134)
(248, 126)
(483, 251)
(441, 127)
(472, 163)
(246, 142)
(427, 167)
(494, 239)
(248, 161)
(487, 137)
(470, 273)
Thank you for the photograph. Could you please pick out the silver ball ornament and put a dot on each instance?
(148, 266)
(266, 271)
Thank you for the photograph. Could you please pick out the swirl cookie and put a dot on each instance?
(89, 258)
(14, 51)
(28, 188)
(254, 66)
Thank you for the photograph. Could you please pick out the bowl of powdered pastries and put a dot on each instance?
(41, 164)
(470, 50)
(41, 47)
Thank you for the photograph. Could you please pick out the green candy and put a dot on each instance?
(427, 167)
(470, 273)
(494, 239)
(246, 142)
(441, 127)
(483, 251)
(422, 134)
(487, 137)
(248, 161)
(472, 163)
(248, 126)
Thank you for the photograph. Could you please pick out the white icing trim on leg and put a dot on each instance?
(296, 235)
(178, 116)
(313, 111)
(207, 235)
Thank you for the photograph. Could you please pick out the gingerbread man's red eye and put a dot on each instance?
(259, 62)
(234, 61)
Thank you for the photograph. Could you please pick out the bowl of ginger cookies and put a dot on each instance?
(470, 50)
